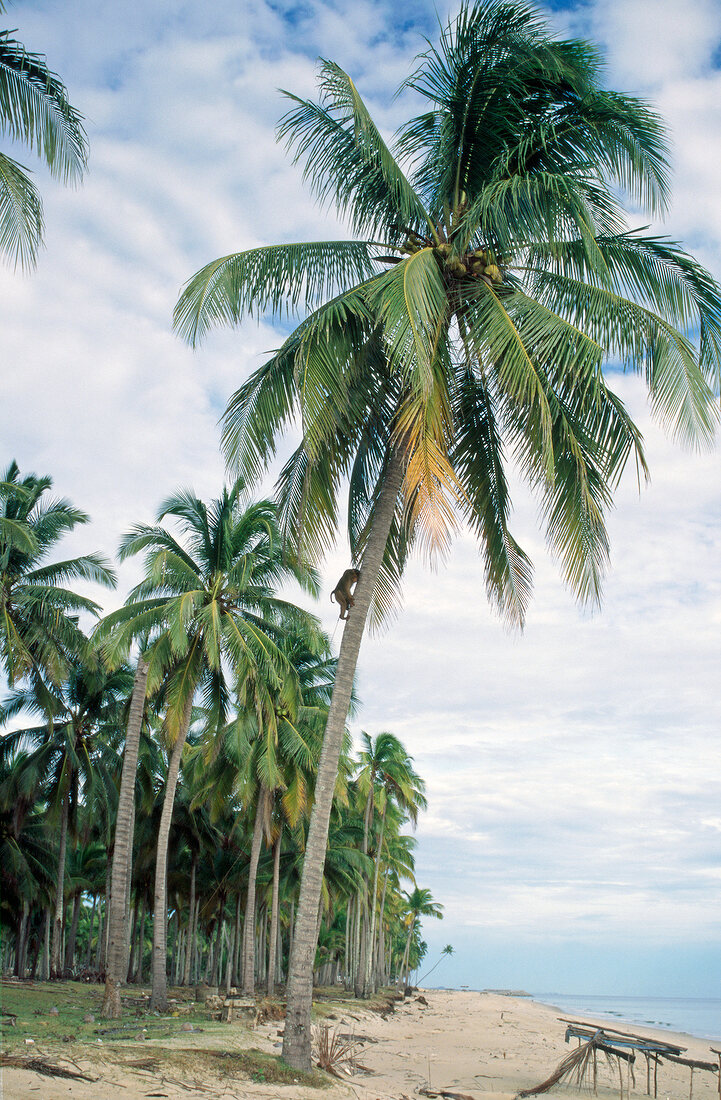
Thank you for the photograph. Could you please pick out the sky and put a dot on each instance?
(573, 833)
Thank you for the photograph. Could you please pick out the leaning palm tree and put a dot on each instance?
(209, 608)
(35, 111)
(493, 276)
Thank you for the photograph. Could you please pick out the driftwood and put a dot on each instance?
(622, 1037)
(43, 1066)
(445, 1094)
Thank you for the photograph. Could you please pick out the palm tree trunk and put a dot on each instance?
(361, 989)
(274, 914)
(99, 949)
(191, 927)
(383, 972)
(89, 947)
(137, 976)
(297, 1037)
(249, 923)
(72, 936)
(159, 993)
(370, 980)
(21, 940)
(119, 886)
(45, 969)
(56, 962)
(135, 915)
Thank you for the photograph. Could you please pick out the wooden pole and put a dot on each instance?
(655, 1076)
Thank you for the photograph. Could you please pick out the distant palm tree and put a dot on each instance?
(385, 773)
(39, 633)
(35, 111)
(493, 276)
(445, 953)
(419, 904)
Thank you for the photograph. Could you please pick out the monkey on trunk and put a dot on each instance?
(342, 591)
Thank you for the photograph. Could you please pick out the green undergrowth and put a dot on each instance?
(145, 1039)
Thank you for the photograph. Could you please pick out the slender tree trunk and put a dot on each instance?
(272, 951)
(195, 964)
(56, 962)
(70, 946)
(21, 939)
(237, 941)
(297, 1037)
(89, 947)
(361, 988)
(191, 926)
(45, 970)
(137, 976)
(249, 923)
(218, 950)
(370, 978)
(383, 970)
(159, 993)
(102, 903)
(117, 889)
(133, 942)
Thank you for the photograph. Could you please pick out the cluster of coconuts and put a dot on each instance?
(473, 263)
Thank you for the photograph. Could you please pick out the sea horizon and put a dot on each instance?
(699, 1017)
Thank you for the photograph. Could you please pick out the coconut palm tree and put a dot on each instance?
(385, 773)
(38, 614)
(208, 604)
(493, 276)
(35, 111)
(419, 904)
(80, 717)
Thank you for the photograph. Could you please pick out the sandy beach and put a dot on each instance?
(480, 1045)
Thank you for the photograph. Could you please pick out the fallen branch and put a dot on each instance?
(43, 1067)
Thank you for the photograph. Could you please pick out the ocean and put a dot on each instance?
(699, 1016)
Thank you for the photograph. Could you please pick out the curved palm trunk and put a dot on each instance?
(273, 948)
(296, 1040)
(249, 922)
(56, 962)
(117, 962)
(159, 994)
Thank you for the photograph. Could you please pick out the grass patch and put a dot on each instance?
(31, 1003)
(252, 1064)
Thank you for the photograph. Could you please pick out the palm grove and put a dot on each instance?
(222, 719)
(468, 324)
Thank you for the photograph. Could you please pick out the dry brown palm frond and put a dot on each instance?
(43, 1066)
(578, 1068)
(336, 1053)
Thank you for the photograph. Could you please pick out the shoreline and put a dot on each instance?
(578, 1005)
